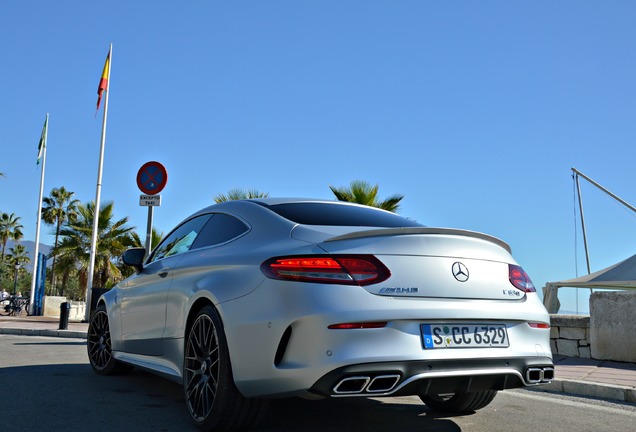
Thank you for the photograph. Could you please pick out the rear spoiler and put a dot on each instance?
(418, 230)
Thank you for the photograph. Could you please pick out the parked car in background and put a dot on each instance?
(250, 300)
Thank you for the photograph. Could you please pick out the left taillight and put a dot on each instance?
(520, 279)
(335, 269)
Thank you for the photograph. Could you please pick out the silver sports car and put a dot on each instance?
(268, 298)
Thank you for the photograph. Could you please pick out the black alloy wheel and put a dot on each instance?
(99, 346)
(213, 401)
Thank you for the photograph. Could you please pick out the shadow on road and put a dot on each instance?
(70, 396)
(353, 414)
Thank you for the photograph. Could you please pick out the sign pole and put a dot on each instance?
(149, 231)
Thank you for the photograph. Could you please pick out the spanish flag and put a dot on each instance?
(103, 82)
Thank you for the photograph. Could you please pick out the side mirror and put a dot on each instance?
(135, 258)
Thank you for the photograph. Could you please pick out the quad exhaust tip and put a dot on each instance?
(366, 384)
(539, 375)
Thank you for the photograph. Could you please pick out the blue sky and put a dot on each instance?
(474, 111)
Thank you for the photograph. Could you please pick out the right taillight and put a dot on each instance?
(334, 269)
(520, 279)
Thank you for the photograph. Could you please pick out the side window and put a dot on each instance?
(180, 240)
(219, 229)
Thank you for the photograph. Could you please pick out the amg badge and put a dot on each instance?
(398, 290)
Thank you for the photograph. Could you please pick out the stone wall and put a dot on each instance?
(613, 326)
(609, 333)
(570, 335)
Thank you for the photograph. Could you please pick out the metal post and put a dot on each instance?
(587, 255)
(149, 231)
(15, 279)
(622, 201)
(91, 264)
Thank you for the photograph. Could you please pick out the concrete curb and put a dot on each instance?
(596, 390)
(45, 332)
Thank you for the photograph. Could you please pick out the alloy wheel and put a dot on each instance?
(202, 367)
(100, 351)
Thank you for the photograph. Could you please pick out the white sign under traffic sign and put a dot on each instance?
(150, 200)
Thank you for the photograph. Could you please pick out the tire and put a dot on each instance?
(99, 346)
(459, 402)
(212, 399)
(6, 307)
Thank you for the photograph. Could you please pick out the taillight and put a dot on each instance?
(520, 279)
(336, 269)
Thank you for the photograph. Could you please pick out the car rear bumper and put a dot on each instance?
(434, 377)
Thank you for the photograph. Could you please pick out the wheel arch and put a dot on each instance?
(199, 304)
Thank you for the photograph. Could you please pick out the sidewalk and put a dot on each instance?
(595, 378)
(41, 326)
(577, 376)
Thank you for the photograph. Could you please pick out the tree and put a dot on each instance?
(136, 240)
(58, 208)
(10, 229)
(238, 194)
(361, 192)
(18, 255)
(74, 247)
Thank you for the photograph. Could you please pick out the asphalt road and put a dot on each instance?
(48, 385)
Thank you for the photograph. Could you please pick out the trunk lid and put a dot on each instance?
(429, 262)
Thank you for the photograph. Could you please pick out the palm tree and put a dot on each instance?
(10, 229)
(67, 268)
(361, 192)
(238, 194)
(59, 208)
(112, 238)
(18, 255)
(136, 240)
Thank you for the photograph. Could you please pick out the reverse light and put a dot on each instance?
(520, 279)
(336, 269)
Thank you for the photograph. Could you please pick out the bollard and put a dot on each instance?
(65, 308)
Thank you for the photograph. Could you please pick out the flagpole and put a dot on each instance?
(39, 217)
(91, 266)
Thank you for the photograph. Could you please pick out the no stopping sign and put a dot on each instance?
(152, 178)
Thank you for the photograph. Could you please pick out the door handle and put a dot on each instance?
(163, 274)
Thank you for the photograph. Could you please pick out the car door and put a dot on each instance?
(142, 299)
(197, 267)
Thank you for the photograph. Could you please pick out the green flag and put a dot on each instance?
(42, 143)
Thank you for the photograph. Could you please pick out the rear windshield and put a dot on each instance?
(335, 214)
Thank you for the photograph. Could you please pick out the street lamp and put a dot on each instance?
(15, 278)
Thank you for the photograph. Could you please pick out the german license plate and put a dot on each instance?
(464, 335)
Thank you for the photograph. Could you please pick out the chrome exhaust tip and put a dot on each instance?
(534, 375)
(352, 385)
(539, 375)
(383, 383)
(548, 374)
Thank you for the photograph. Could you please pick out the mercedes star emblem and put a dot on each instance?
(460, 271)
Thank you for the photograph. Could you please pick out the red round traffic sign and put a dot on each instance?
(152, 178)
